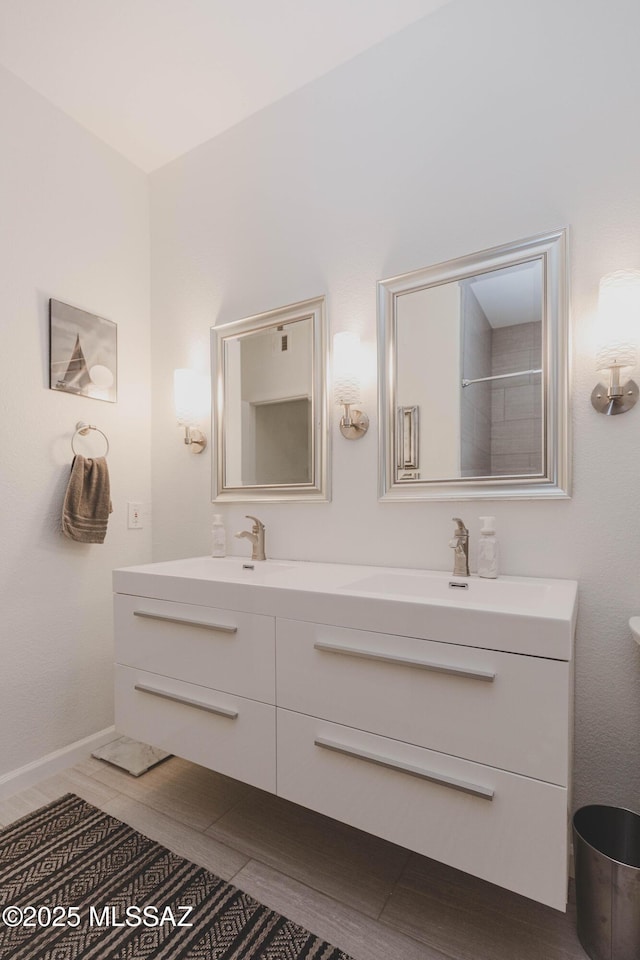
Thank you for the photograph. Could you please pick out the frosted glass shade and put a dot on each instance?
(190, 396)
(616, 354)
(346, 368)
(618, 319)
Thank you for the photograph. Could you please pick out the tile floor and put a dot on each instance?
(374, 900)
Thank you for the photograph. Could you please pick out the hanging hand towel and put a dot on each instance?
(87, 502)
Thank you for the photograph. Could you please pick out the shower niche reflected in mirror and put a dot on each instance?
(473, 376)
(270, 405)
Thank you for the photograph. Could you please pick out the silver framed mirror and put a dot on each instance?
(474, 376)
(270, 405)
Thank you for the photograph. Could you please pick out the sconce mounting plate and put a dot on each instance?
(604, 403)
(355, 426)
(195, 439)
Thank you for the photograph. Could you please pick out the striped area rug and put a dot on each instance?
(77, 884)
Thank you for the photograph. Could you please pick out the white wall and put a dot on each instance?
(481, 124)
(74, 226)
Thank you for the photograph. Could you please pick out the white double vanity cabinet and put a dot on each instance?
(432, 712)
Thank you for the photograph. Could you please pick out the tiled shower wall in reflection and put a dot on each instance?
(501, 420)
(475, 409)
(516, 408)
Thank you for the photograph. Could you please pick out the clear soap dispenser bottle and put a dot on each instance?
(488, 553)
(218, 537)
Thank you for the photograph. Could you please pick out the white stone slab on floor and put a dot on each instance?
(130, 755)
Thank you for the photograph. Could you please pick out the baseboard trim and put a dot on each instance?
(37, 770)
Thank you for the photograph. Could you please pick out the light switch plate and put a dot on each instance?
(134, 515)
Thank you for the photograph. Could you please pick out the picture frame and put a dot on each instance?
(83, 353)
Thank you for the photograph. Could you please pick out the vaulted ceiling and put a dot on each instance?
(155, 78)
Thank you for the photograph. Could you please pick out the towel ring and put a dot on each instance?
(83, 428)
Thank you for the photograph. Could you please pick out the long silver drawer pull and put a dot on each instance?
(220, 627)
(407, 661)
(476, 789)
(199, 704)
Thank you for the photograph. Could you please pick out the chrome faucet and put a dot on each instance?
(460, 545)
(256, 536)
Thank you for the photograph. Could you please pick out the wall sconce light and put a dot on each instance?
(618, 314)
(346, 384)
(190, 396)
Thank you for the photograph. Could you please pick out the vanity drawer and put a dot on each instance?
(226, 733)
(502, 709)
(220, 648)
(509, 830)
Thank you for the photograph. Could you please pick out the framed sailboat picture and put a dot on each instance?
(83, 352)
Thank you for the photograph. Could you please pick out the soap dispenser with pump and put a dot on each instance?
(488, 553)
(218, 537)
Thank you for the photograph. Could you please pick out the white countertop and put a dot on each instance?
(528, 615)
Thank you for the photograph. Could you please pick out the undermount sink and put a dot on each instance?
(506, 594)
(228, 569)
(239, 568)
